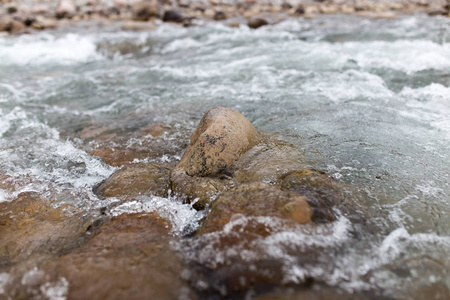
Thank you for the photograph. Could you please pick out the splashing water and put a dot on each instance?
(368, 100)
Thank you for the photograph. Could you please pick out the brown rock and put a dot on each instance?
(136, 180)
(328, 8)
(129, 258)
(385, 15)
(137, 26)
(44, 23)
(234, 24)
(437, 12)
(65, 9)
(144, 10)
(120, 156)
(5, 22)
(324, 194)
(257, 22)
(300, 10)
(156, 130)
(11, 9)
(219, 16)
(220, 139)
(267, 161)
(16, 27)
(173, 16)
(30, 225)
(256, 199)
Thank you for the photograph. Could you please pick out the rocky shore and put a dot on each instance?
(52, 246)
(27, 16)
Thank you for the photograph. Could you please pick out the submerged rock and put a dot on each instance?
(324, 194)
(143, 179)
(256, 199)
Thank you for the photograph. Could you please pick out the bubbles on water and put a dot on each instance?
(41, 49)
(56, 290)
(183, 217)
(4, 279)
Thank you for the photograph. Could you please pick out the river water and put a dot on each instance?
(367, 100)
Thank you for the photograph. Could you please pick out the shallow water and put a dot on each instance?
(368, 101)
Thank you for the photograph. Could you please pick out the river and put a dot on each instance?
(368, 101)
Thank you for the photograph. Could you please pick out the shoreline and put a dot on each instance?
(30, 16)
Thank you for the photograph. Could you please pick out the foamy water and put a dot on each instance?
(368, 100)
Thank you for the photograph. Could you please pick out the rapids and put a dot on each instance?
(367, 100)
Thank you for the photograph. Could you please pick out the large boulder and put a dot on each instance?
(221, 138)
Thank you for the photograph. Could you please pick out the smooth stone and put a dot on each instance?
(219, 140)
(257, 22)
(144, 10)
(5, 22)
(219, 16)
(44, 23)
(16, 27)
(142, 179)
(130, 257)
(65, 9)
(30, 225)
(256, 199)
(172, 16)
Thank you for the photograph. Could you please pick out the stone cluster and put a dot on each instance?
(20, 16)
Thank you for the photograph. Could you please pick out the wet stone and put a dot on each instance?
(219, 16)
(142, 179)
(256, 199)
(130, 257)
(144, 10)
(257, 22)
(324, 194)
(219, 140)
(173, 16)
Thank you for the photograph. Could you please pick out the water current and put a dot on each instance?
(367, 100)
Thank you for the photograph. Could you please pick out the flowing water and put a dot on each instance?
(367, 100)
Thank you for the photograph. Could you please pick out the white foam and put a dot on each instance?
(4, 279)
(45, 156)
(7, 120)
(283, 243)
(47, 49)
(4, 195)
(348, 85)
(56, 290)
(180, 44)
(402, 55)
(183, 217)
